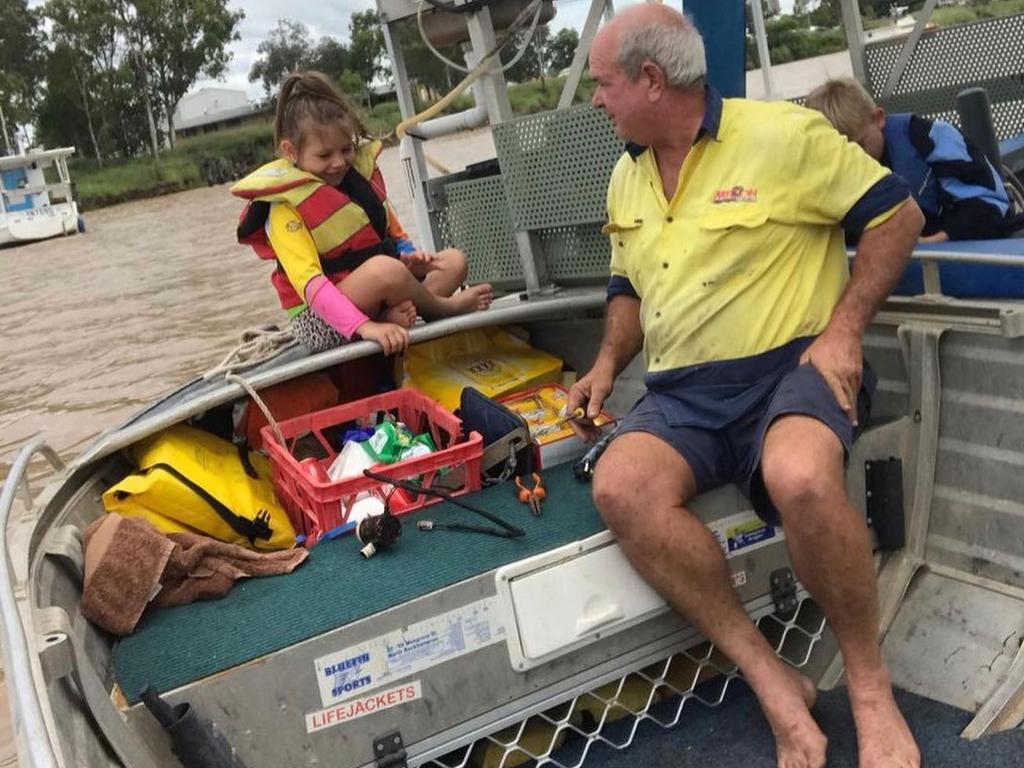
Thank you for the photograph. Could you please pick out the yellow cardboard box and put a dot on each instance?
(491, 360)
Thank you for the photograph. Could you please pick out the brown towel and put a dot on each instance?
(127, 561)
(201, 568)
(124, 558)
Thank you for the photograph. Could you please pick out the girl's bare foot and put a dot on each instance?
(403, 314)
(472, 299)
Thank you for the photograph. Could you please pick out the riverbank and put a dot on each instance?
(221, 157)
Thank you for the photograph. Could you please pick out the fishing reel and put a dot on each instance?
(378, 531)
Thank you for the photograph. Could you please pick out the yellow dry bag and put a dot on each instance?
(190, 480)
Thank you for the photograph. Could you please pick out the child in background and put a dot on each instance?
(345, 267)
(961, 195)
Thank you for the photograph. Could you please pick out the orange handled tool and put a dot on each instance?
(532, 496)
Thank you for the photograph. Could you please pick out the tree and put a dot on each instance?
(531, 65)
(367, 49)
(285, 50)
(330, 57)
(561, 49)
(85, 32)
(21, 40)
(183, 39)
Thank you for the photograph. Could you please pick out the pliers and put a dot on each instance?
(532, 496)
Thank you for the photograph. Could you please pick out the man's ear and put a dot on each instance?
(654, 78)
(878, 117)
(288, 150)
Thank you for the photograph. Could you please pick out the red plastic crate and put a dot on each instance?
(316, 507)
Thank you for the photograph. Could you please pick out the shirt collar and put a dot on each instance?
(709, 124)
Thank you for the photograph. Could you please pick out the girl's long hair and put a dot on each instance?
(311, 97)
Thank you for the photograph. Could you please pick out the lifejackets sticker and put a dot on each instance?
(190, 480)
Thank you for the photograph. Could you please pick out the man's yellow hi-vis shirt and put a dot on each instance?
(748, 254)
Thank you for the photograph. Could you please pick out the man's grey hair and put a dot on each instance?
(675, 47)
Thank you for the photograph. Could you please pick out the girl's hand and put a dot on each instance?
(392, 338)
(420, 263)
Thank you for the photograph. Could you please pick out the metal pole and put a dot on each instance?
(579, 59)
(763, 56)
(854, 30)
(908, 49)
(410, 149)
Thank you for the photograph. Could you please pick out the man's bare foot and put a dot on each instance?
(808, 690)
(786, 702)
(883, 738)
(472, 299)
(403, 314)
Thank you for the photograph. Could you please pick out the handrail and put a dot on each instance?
(29, 725)
(963, 257)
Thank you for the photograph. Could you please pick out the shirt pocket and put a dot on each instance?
(733, 216)
(622, 228)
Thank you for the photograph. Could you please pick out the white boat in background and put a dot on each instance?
(32, 208)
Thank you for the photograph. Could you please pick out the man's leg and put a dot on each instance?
(641, 485)
(802, 467)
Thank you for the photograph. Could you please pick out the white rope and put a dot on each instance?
(262, 406)
(257, 345)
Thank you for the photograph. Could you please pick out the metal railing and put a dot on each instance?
(30, 732)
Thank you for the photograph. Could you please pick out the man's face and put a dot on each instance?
(870, 136)
(625, 101)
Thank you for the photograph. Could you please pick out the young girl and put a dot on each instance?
(345, 267)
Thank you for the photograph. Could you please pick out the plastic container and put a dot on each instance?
(317, 507)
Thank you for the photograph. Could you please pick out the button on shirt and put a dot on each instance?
(749, 254)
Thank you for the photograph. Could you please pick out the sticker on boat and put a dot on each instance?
(386, 658)
(365, 705)
(744, 532)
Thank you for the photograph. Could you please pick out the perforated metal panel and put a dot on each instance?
(477, 221)
(660, 693)
(576, 255)
(556, 166)
(947, 60)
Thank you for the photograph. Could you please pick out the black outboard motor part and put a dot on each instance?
(195, 740)
(976, 121)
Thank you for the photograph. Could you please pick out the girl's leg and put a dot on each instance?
(383, 281)
(451, 274)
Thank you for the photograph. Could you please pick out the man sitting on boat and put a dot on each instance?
(961, 195)
(729, 271)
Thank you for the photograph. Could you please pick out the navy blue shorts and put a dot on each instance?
(732, 454)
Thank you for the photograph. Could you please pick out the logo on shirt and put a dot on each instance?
(737, 194)
(293, 226)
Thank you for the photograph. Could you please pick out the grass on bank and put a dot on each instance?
(218, 157)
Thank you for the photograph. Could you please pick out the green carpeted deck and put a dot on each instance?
(175, 646)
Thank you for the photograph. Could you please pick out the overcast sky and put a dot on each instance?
(329, 18)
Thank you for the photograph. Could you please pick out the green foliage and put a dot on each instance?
(367, 48)
(789, 39)
(21, 38)
(183, 39)
(561, 49)
(947, 17)
(285, 50)
(132, 179)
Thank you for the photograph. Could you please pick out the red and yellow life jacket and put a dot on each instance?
(342, 229)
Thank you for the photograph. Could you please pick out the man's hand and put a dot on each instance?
(589, 393)
(420, 263)
(838, 356)
(938, 237)
(392, 338)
